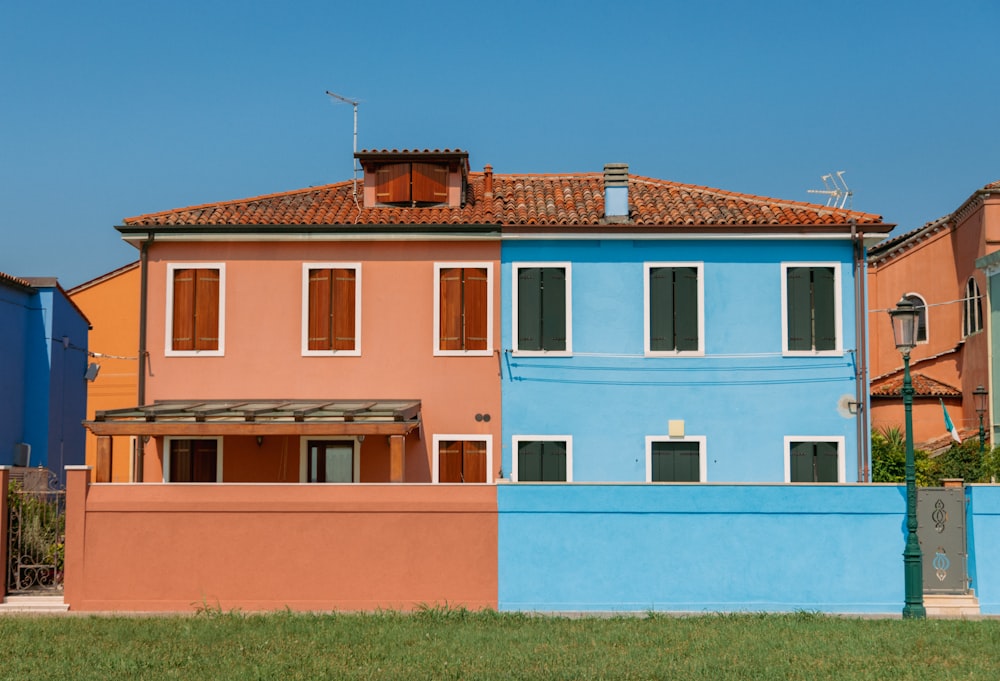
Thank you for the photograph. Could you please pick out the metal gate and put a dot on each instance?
(36, 532)
(942, 535)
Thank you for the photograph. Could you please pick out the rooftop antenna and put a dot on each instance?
(353, 103)
(837, 193)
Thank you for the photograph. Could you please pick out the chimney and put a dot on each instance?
(488, 181)
(616, 192)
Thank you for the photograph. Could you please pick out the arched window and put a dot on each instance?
(918, 303)
(972, 320)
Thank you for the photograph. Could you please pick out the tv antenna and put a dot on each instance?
(836, 190)
(354, 103)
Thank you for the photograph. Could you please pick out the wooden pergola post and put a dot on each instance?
(397, 458)
(105, 446)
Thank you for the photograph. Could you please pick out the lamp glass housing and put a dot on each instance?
(904, 325)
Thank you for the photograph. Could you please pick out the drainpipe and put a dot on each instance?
(143, 288)
(861, 353)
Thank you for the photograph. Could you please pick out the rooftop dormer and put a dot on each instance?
(414, 179)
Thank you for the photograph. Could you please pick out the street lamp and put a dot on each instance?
(904, 328)
(980, 394)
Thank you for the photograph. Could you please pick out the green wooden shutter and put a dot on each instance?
(799, 309)
(529, 461)
(676, 462)
(802, 455)
(553, 308)
(553, 461)
(686, 307)
(826, 462)
(824, 308)
(661, 309)
(529, 308)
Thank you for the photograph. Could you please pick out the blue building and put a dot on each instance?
(655, 331)
(43, 340)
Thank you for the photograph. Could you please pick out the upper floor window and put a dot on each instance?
(972, 318)
(811, 308)
(675, 459)
(814, 459)
(331, 314)
(412, 183)
(674, 308)
(462, 458)
(542, 458)
(463, 309)
(542, 308)
(921, 307)
(195, 300)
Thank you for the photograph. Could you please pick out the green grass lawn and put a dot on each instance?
(456, 644)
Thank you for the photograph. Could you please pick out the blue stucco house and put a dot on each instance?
(682, 334)
(43, 340)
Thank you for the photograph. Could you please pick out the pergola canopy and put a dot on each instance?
(194, 418)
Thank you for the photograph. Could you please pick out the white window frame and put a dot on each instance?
(516, 440)
(927, 317)
(168, 343)
(568, 267)
(168, 439)
(438, 352)
(838, 311)
(478, 437)
(649, 352)
(702, 441)
(839, 440)
(304, 458)
(306, 268)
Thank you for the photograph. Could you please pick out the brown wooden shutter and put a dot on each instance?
(450, 461)
(183, 319)
(320, 289)
(393, 183)
(450, 309)
(476, 308)
(474, 462)
(206, 310)
(430, 183)
(344, 331)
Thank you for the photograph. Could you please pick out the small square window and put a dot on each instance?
(542, 459)
(810, 459)
(675, 459)
(462, 459)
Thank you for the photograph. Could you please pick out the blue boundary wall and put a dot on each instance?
(984, 545)
(707, 547)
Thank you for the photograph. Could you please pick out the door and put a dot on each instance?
(330, 461)
(941, 532)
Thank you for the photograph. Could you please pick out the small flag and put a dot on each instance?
(949, 425)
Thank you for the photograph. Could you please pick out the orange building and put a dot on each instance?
(111, 302)
(934, 267)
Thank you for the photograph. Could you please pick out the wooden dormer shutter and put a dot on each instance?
(393, 183)
(430, 183)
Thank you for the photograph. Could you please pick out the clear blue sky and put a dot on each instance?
(113, 109)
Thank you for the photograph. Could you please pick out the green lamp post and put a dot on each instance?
(904, 327)
(980, 395)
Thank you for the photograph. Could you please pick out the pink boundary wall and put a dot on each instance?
(174, 547)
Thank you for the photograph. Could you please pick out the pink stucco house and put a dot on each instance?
(935, 268)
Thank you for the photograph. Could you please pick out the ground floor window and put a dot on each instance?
(192, 460)
(675, 459)
(462, 458)
(331, 461)
(814, 460)
(543, 459)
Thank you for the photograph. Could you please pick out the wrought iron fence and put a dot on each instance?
(36, 532)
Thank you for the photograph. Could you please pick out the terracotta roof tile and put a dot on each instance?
(923, 386)
(15, 281)
(556, 200)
